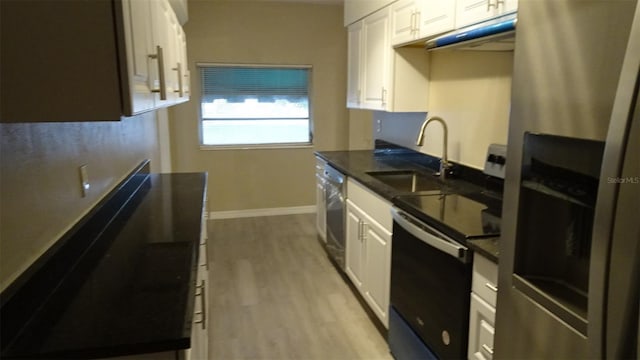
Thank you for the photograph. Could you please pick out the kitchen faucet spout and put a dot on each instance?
(444, 163)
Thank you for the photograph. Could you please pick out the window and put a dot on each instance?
(255, 105)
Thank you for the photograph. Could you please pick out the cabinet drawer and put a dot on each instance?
(376, 207)
(485, 279)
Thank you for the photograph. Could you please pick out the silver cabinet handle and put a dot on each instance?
(491, 287)
(413, 21)
(418, 23)
(203, 242)
(186, 76)
(384, 96)
(180, 91)
(159, 55)
(490, 4)
(487, 349)
(499, 2)
(430, 237)
(201, 293)
(206, 256)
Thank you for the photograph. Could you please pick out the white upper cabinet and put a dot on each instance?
(376, 53)
(354, 61)
(379, 77)
(355, 10)
(414, 20)
(138, 31)
(404, 26)
(181, 9)
(469, 12)
(109, 59)
(184, 75)
(436, 17)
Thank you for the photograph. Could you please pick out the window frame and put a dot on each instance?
(293, 145)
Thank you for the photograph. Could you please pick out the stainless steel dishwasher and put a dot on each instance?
(335, 196)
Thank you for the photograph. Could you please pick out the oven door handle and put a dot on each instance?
(431, 237)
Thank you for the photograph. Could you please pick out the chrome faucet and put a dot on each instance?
(444, 163)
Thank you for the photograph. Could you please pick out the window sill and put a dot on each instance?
(255, 147)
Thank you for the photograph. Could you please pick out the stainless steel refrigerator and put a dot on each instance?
(569, 271)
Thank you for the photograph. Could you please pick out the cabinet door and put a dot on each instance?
(376, 53)
(354, 60)
(378, 269)
(481, 329)
(404, 22)
(164, 43)
(139, 45)
(184, 64)
(508, 6)
(201, 318)
(354, 245)
(436, 17)
(473, 11)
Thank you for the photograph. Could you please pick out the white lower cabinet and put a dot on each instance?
(200, 327)
(481, 329)
(482, 311)
(368, 247)
(355, 244)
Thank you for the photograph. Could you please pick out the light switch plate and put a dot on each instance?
(84, 179)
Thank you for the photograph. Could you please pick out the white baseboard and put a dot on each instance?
(232, 214)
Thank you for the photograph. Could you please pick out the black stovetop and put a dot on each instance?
(461, 216)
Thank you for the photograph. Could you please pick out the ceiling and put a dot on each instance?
(328, 2)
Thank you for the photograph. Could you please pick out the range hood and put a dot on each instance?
(493, 35)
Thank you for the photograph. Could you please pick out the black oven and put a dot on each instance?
(431, 271)
(430, 287)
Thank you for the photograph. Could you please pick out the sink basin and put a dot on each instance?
(408, 181)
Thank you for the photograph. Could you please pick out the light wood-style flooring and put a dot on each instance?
(275, 295)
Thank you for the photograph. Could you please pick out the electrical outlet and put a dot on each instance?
(84, 179)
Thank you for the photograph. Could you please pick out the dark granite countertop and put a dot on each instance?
(131, 291)
(360, 163)
(486, 247)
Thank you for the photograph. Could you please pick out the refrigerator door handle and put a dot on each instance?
(607, 324)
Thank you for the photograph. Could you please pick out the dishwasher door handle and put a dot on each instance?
(416, 228)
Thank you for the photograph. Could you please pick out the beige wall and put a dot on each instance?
(269, 33)
(360, 129)
(40, 193)
(471, 90)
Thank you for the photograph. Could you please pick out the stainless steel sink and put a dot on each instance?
(408, 181)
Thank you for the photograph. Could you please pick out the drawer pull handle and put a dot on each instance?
(491, 287)
(487, 349)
